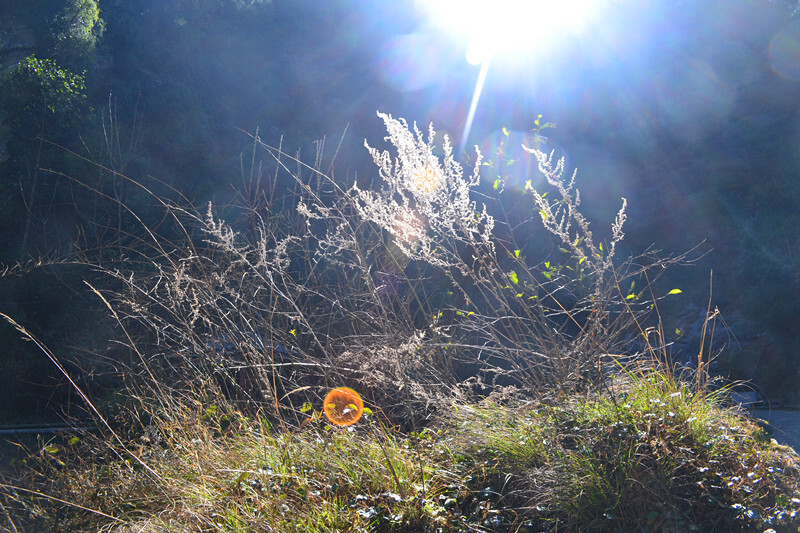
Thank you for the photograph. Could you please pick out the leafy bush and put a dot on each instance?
(40, 98)
(76, 30)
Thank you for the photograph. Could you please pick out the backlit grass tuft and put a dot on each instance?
(652, 457)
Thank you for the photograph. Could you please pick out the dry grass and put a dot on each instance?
(501, 406)
(655, 458)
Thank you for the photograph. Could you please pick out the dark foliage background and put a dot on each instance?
(682, 107)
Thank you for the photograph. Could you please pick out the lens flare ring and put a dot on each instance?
(343, 406)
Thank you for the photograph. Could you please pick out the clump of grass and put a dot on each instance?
(657, 457)
(227, 472)
(426, 303)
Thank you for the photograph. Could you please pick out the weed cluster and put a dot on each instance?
(412, 292)
(505, 377)
(655, 457)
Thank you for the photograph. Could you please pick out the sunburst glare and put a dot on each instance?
(509, 26)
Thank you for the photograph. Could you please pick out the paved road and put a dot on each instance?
(785, 425)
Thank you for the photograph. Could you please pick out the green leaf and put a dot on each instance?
(51, 449)
(73, 441)
(367, 411)
(674, 291)
(548, 275)
(544, 215)
(528, 185)
(505, 131)
(513, 277)
(678, 332)
(630, 296)
(516, 254)
(306, 407)
(241, 478)
(293, 332)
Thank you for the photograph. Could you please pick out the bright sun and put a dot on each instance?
(508, 26)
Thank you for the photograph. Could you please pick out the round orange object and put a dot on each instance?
(343, 406)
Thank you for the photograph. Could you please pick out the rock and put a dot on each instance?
(16, 42)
